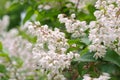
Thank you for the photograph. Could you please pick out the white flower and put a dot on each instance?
(104, 76)
(47, 7)
(50, 49)
(86, 77)
(105, 30)
(73, 26)
(73, 16)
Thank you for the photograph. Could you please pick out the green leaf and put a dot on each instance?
(2, 69)
(85, 40)
(112, 57)
(5, 55)
(80, 67)
(29, 13)
(14, 12)
(1, 46)
(88, 57)
(91, 9)
(73, 41)
(14, 7)
(30, 38)
(76, 41)
(109, 68)
(84, 51)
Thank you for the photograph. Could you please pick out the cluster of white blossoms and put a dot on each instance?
(17, 48)
(104, 32)
(73, 26)
(50, 51)
(104, 76)
(20, 48)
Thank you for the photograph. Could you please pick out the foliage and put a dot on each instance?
(13, 64)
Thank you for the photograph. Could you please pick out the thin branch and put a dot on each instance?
(76, 9)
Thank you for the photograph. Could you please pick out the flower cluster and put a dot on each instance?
(33, 50)
(104, 76)
(73, 26)
(104, 32)
(50, 51)
(18, 48)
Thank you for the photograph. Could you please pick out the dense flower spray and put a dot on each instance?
(104, 32)
(53, 50)
(20, 48)
(19, 52)
(49, 52)
(73, 26)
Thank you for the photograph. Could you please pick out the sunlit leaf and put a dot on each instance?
(112, 57)
(29, 13)
(1, 46)
(2, 69)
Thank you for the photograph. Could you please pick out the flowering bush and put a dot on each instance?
(60, 40)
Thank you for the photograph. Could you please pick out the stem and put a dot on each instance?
(76, 9)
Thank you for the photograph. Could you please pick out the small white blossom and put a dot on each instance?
(73, 26)
(104, 76)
